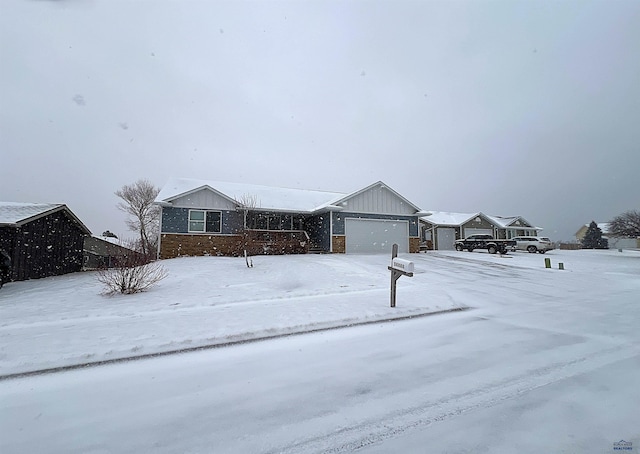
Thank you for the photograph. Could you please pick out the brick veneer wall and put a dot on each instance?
(175, 245)
(191, 245)
(260, 243)
(339, 245)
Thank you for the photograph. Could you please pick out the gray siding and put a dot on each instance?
(204, 199)
(176, 220)
(484, 224)
(378, 199)
(339, 217)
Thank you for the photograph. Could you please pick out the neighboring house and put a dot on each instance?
(614, 242)
(512, 226)
(41, 239)
(105, 252)
(441, 229)
(207, 218)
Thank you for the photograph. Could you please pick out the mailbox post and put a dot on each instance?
(399, 267)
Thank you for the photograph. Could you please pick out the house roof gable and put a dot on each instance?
(267, 197)
(377, 184)
(511, 221)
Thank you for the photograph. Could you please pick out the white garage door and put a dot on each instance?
(468, 232)
(373, 236)
(446, 238)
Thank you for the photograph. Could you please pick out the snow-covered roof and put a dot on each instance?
(603, 226)
(509, 221)
(19, 213)
(503, 221)
(449, 218)
(457, 219)
(14, 213)
(268, 197)
(109, 239)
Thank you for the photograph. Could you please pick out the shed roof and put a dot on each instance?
(16, 214)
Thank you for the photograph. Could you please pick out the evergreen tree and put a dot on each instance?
(593, 238)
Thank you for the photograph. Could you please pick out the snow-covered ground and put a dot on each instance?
(543, 361)
(66, 320)
(204, 301)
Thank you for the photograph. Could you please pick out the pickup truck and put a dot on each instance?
(487, 242)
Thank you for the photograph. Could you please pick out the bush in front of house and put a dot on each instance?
(133, 273)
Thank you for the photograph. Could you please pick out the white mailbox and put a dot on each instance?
(402, 265)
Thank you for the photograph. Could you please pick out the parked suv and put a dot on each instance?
(533, 244)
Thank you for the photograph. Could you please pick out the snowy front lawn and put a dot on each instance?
(207, 301)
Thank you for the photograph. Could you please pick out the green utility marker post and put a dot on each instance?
(547, 263)
(560, 266)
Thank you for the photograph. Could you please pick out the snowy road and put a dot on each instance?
(461, 382)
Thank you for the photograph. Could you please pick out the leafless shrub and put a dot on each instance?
(132, 273)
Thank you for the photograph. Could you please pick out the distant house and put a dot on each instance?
(41, 239)
(614, 242)
(442, 228)
(207, 218)
(104, 252)
(508, 227)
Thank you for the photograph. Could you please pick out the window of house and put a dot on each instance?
(205, 221)
(214, 221)
(260, 222)
(270, 221)
(286, 222)
(274, 222)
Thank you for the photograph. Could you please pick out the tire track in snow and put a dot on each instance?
(427, 413)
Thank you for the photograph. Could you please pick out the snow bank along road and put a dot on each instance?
(206, 301)
(547, 362)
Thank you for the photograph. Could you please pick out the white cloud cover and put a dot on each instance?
(507, 107)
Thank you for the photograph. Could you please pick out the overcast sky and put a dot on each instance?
(510, 108)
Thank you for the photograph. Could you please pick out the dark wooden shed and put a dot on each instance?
(41, 239)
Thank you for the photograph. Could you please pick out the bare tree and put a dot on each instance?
(247, 203)
(626, 225)
(137, 202)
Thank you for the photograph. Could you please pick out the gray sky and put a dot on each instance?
(511, 108)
